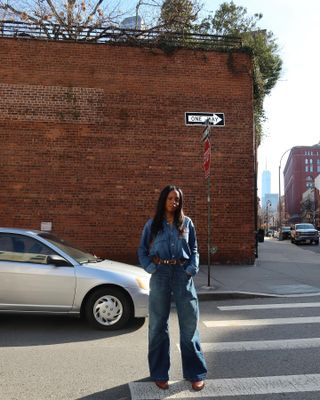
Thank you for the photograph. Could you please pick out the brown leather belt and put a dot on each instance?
(173, 261)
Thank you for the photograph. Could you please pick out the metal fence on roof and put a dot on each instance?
(112, 34)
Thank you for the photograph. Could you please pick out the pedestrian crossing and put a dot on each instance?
(259, 322)
(285, 384)
(229, 387)
(269, 306)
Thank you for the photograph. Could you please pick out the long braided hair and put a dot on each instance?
(157, 222)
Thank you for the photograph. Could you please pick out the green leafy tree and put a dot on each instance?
(178, 15)
(230, 19)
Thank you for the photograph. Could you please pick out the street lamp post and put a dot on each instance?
(268, 204)
(279, 207)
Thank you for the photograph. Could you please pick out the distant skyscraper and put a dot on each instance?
(133, 23)
(266, 186)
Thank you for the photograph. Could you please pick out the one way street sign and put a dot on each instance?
(202, 118)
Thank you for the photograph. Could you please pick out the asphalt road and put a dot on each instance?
(257, 346)
(310, 247)
(263, 349)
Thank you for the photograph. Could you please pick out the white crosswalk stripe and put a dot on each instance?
(284, 344)
(245, 386)
(268, 306)
(253, 322)
(228, 387)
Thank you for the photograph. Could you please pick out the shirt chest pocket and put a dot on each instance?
(159, 244)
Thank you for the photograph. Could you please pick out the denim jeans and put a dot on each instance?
(168, 280)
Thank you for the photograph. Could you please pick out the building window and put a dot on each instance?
(307, 169)
(310, 161)
(318, 168)
(311, 168)
(306, 161)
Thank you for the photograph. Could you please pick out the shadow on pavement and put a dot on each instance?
(39, 330)
(121, 392)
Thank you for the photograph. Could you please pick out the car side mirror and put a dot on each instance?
(58, 261)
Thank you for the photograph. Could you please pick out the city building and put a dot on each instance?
(300, 172)
(266, 186)
(133, 23)
(87, 146)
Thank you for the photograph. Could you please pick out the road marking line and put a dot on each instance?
(284, 344)
(228, 387)
(267, 306)
(259, 322)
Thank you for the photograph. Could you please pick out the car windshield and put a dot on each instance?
(304, 226)
(80, 255)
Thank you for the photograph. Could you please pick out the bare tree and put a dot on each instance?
(68, 18)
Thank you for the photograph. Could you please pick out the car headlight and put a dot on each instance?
(143, 283)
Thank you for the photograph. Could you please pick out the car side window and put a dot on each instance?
(20, 248)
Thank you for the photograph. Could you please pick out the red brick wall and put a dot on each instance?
(91, 133)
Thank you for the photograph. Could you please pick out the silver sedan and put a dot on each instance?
(40, 272)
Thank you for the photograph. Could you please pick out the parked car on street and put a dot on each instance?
(302, 233)
(284, 232)
(40, 272)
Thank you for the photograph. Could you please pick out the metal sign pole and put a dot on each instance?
(209, 229)
(207, 165)
(209, 120)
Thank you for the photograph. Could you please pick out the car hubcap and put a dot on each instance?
(107, 310)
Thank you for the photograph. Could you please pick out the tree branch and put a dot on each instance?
(54, 11)
(94, 10)
(21, 14)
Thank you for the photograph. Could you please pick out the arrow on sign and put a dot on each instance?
(215, 119)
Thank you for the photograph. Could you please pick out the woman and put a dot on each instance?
(168, 251)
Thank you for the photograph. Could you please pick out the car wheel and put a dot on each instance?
(108, 309)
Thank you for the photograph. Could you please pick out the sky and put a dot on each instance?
(293, 107)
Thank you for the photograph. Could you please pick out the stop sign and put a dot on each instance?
(207, 158)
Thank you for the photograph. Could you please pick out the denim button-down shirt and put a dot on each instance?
(170, 244)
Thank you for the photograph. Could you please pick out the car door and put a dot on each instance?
(27, 281)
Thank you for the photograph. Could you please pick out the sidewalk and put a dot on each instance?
(281, 270)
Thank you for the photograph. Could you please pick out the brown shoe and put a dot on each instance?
(162, 385)
(198, 385)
